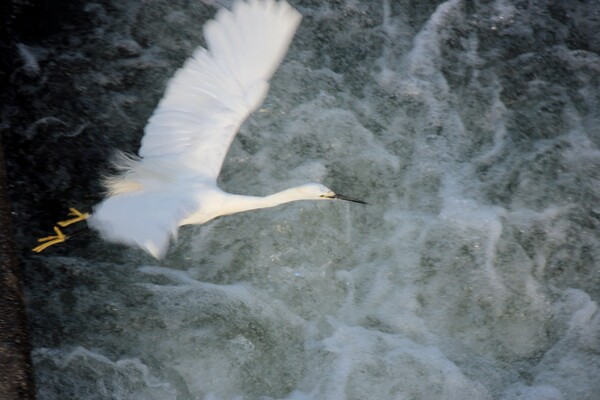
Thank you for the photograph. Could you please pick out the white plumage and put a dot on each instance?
(185, 142)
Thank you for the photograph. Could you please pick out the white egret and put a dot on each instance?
(173, 182)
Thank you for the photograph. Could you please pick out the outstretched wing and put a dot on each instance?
(210, 97)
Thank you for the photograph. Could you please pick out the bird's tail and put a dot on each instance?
(146, 218)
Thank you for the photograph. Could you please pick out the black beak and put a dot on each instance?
(346, 198)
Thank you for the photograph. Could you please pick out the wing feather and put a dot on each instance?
(213, 93)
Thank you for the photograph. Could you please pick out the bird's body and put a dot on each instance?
(173, 182)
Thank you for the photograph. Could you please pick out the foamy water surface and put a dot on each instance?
(473, 273)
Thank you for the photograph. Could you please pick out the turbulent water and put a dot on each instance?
(472, 130)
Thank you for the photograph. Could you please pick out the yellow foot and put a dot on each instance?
(78, 217)
(50, 240)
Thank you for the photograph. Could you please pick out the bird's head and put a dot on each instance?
(318, 191)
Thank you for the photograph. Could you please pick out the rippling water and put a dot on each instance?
(472, 132)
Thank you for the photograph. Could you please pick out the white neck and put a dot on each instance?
(238, 203)
(225, 204)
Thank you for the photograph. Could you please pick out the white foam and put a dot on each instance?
(123, 378)
(469, 275)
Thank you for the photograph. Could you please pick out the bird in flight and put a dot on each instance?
(173, 181)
